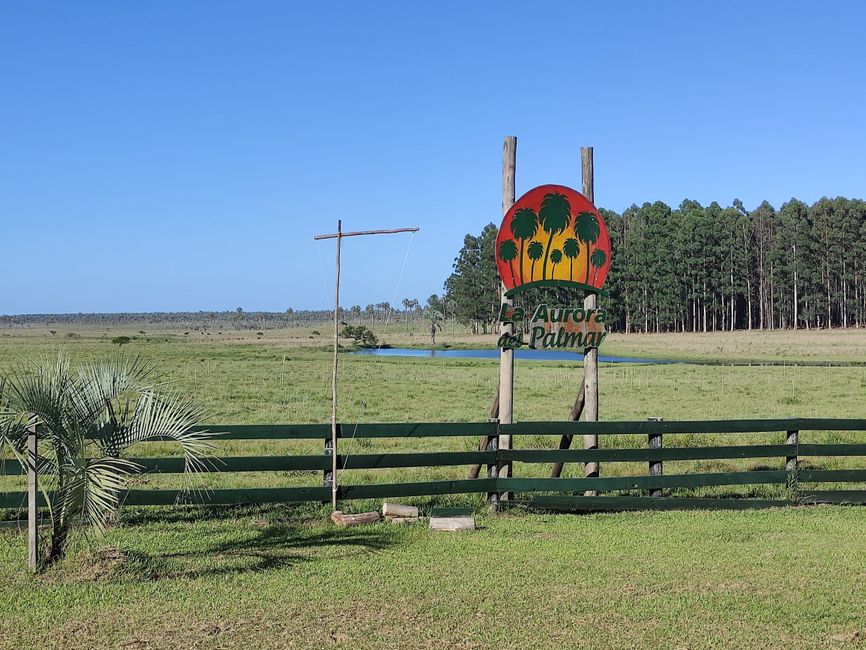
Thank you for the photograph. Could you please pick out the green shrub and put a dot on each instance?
(362, 336)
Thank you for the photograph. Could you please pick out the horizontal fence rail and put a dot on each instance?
(683, 426)
(539, 492)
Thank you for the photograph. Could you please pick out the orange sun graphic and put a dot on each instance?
(553, 237)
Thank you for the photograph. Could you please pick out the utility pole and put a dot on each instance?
(334, 435)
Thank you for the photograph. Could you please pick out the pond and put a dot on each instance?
(493, 353)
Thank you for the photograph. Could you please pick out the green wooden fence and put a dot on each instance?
(658, 490)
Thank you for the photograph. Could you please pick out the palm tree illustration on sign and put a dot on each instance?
(586, 228)
(555, 216)
(524, 225)
(535, 253)
(571, 248)
(555, 258)
(597, 259)
(508, 253)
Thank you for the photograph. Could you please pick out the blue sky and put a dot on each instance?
(160, 156)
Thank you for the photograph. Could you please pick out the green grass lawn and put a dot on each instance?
(284, 577)
(244, 578)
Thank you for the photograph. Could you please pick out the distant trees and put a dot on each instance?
(697, 268)
(692, 268)
(473, 286)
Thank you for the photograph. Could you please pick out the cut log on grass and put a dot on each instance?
(342, 519)
(398, 510)
(452, 523)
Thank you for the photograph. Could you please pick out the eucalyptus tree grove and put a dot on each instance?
(695, 267)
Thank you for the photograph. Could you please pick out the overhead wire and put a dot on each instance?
(385, 326)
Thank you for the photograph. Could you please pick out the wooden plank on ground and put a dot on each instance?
(398, 510)
(452, 524)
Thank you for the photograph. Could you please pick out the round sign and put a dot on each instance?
(552, 237)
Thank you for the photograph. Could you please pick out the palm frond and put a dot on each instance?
(43, 386)
(99, 383)
(173, 416)
(92, 488)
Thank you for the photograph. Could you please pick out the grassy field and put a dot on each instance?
(282, 577)
(789, 578)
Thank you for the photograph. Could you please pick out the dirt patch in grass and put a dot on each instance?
(103, 565)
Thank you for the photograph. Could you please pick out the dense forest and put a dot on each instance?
(696, 268)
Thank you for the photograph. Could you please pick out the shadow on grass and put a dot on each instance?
(135, 516)
(270, 548)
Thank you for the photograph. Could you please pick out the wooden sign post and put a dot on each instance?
(552, 237)
(590, 358)
(334, 426)
(506, 355)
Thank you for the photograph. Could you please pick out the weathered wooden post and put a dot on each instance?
(32, 492)
(792, 462)
(334, 486)
(506, 355)
(656, 468)
(493, 471)
(590, 361)
(328, 474)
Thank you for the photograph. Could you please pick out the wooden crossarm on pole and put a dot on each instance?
(357, 233)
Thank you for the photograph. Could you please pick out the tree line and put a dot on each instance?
(410, 312)
(705, 268)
